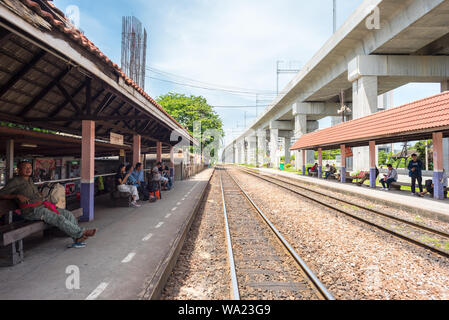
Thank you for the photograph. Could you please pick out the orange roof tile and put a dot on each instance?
(430, 114)
(54, 18)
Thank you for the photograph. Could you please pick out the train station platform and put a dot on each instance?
(427, 207)
(130, 258)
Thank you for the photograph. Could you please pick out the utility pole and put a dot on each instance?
(335, 15)
(245, 119)
(342, 99)
(288, 70)
(257, 106)
(344, 110)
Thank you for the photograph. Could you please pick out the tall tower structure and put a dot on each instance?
(134, 49)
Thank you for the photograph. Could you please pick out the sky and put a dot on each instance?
(232, 45)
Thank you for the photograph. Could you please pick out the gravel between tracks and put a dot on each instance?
(354, 261)
(440, 225)
(202, 270)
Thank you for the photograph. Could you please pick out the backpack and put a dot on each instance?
(153, 186)
(55, 193)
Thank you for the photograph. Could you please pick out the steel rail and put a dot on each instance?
(378, 226)
(411, 223)
(235, 286)
(312, 277)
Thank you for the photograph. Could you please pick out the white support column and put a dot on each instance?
(252, 150)
(300, 130)
(261, 147)
(364, 103)
(274, 148)
(288, 144)
(242, 152)
(445, 87)
(312, 126)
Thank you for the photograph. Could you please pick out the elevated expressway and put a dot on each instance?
(410, 44)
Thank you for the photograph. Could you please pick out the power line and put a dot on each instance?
(240, 107)
(210, 85)
(206, 88)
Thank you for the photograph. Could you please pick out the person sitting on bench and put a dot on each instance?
(430, 186)
(367, 176)
(138, 180)
(314, 169)
(330, 170)
(121, 180)
(167, 175)
(161, 178)
(389, 178)
(35, 208)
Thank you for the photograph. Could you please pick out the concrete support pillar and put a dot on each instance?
(242, 152)
(235, 159)
(364, 103)
(261, 147)
(343, 164)
(312, 126)
(159, 151)
(87, 170)
(372, 164)
(320, 163)
(438, 165)
(445, 87)
(172, 164)
(303, 157)
(9, 161)
(274, 148)
(252, 150)
(300, 130)
(136, 149)
(288, 145)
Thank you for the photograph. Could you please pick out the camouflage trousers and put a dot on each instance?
(65, 221)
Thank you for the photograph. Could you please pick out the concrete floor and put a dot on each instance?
(116, 264)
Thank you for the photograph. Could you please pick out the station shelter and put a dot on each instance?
(64, 104)
(420, 120)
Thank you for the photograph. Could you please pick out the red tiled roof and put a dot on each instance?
(75, 35)
(430, 114)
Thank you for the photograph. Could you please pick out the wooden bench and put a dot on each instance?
(119, 199)
(398, 186)
(13, 233)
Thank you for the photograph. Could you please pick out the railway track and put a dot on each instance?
(424, 236)
(263, 265)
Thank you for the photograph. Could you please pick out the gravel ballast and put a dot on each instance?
(202, 270)
(353, 260)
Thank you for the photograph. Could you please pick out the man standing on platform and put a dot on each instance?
(415, 168)
(35, 208)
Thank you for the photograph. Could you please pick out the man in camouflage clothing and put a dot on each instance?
(35, 208)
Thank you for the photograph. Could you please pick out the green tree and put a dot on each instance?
(190, 109)
(383, 157)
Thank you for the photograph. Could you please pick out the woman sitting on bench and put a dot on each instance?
(121, 179)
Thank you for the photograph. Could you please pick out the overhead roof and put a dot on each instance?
(410, 122)
(53, 77)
